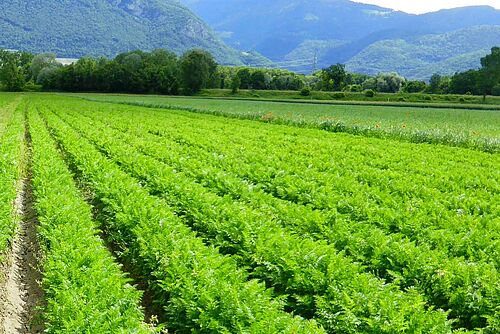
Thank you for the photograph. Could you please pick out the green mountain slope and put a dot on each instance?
(106, 27)
(419, 57)
(300, 33)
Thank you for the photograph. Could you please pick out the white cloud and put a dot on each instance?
(424, 6)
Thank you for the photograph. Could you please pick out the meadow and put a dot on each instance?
(215, 216)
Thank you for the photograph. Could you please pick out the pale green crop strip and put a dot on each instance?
(410, 263)
(278, 257)
(85, 290)
(199, 289)
(11, 170)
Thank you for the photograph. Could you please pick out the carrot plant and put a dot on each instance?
(198, 288)
(11, 170)
(85, 289)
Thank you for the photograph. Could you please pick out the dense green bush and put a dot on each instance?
(369, 93)
(339, 95)
(306, 91)
(495, 91)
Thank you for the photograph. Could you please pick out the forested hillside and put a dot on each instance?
(107, 27)
(306, 34)
(418, 57)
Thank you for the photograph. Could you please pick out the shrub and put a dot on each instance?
(355, 88)
(306, 91)
(369, 93)
(338, 95)
(495, 91)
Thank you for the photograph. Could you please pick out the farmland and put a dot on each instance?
(450, 124)
(217, 216)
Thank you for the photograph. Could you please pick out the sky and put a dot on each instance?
(425, 6)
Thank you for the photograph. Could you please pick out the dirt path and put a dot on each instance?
(20, 293)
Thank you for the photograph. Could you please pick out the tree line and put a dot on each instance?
(163, 72)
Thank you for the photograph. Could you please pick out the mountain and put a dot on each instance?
(418, 57)
(106, 27)
(301, 33)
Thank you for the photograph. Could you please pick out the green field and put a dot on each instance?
(458, 127)
(231, 225)
(359, 97)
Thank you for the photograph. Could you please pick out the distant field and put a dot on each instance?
(458, 127)
(339, 97)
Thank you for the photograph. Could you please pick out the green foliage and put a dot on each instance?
(198, 288)
(496, 90)
(11, 167)
(389, 82)
(198, 69)
(456, 125)
(259, 80)
(84, 288)
(414, 86)
(286, 215)
(235, 84)
(238, 230)
(369, 93)
(334, 77)
(105, 28)
(14, 68)
(465, 82)
(306, 91)
(418, 57)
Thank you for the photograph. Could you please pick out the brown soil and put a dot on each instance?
(20, 291)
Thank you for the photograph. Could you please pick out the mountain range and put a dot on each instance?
(76, 28)
(300, 35)
(304, 34)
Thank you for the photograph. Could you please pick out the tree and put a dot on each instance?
(434, 84)
(414, 86)
(162, 72)
(49, 77)
(198, 68)
(235, 84)
(12, 70)
(335, 76)
(42, 61)
(245, 78)
(389, 82)
(489, 75)
(465, 82)
(258, 79)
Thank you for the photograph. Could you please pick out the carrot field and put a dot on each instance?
(155, 218)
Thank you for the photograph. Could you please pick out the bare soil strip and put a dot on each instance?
(21, 293)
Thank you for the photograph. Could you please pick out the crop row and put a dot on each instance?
(199, 289)
(11, 170)
(85, 290)
(390, 256)
(312, 272)
(415, 190)
(427, 135)
(420, 193)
